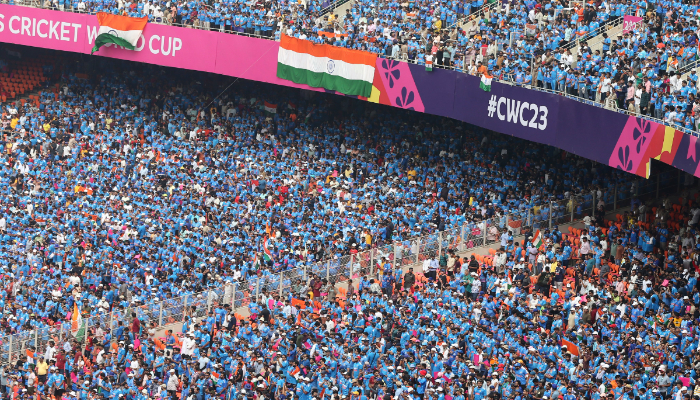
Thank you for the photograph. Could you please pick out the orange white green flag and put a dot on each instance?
(119, 30)
(346, 71)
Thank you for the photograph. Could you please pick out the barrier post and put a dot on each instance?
(328, 271)
(615, 196)
(36, 339)
(233, 297)
(257, 290)
(281, 283)
(527, 219)
(9, 350)
(508, 220)
(593, 205)
(439, 237)
(111, 325)
(462, 237)
(483, 234)
(160, 315)
(550, 214)
(418, 249)
(184, 306)
(396, 252)
(371, 262)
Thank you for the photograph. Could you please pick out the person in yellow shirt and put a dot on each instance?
(42, 368)
(14, 122)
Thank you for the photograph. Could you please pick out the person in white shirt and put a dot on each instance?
(188, 345)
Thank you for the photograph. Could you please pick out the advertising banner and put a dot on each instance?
(615, 139)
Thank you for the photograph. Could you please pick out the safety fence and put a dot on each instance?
(534, 214)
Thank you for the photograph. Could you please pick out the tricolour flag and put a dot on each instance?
(537, 239)
(271, 108)
(485, 83)
(347, 71)
(122, 31)
(77, 325)
(267, 254)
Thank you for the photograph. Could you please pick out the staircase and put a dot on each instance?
(595, 38)
(338, 7)
(472, 20)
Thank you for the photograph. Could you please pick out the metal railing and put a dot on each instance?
(334, 4)
(539, 213)
(510, 80)
(481, 11)
(605, 28)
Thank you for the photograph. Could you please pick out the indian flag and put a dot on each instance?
(267, 254)
(485, 84)
(77, 326)
(271, 108)
(122, 31)
(346, 71)
(537, 239)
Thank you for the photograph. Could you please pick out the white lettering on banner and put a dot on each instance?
(150, 44)
(32, 27)
(630, 25)
(53, 30)
(512, 108)
(26, 24)
(64, 31)
(173, 45)
(170, 45)
(38, 28)
(177, 45)
(13, 19)
(76, 27)
(92, 34)
(518, 112)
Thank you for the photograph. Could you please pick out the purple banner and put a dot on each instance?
(615, 139)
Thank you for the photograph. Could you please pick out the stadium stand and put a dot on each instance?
(315, 247)
(582, 50)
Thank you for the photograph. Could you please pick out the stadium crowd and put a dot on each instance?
(141, 184)
(647, 70)
(126, 178)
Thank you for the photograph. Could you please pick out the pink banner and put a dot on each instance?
(164, 45)
(631, 23)
(43, 28)
(250, 58)
(222, 53)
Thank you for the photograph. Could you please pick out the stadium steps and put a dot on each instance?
(339, 7)
(473, 18)
(595, 42)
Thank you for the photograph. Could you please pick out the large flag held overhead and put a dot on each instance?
(122, 31)
(537, 240)
(334, 68)
(77, 325)
(267, 254)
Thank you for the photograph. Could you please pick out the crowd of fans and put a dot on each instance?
(141, 184)
(151, 190)
(645, 70)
